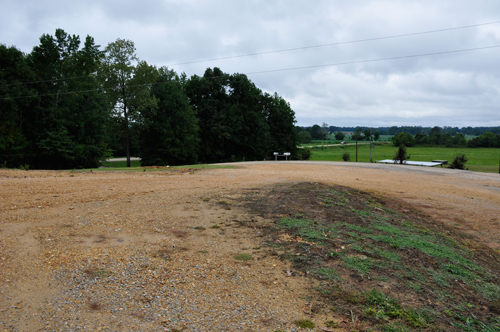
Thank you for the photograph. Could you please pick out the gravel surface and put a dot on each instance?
(154, 251)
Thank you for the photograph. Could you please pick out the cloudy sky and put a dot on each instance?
(337, 83)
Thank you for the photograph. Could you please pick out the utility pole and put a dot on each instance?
(371, 149)
(356, 148)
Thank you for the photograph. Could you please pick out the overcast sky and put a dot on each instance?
(453, 89)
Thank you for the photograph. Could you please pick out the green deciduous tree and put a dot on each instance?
(339, 136)
(169, 129)
(357, 135)
(281, 121)
(127, 82)
(316, 132)
(65, 126)
(237, 121)
(305, 137)
(368, 134)
(15, 103)
(404, 139)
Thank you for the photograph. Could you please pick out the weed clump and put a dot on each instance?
(243, 257)
(305, 323)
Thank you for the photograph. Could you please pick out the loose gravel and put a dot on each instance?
(154, 251)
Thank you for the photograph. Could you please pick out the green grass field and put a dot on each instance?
(135, 166)
(480, 159)
(115, 164)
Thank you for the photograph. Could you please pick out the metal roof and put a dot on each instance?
(412, 163)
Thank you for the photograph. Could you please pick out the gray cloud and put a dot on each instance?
(454, 89)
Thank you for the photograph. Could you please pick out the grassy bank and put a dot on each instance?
(380, 265)
(135, 166)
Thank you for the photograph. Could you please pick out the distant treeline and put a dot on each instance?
(435, 136)
(414, 130)
(67, 105)
(438, 138)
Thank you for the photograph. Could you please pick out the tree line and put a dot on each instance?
(409, 136)
(318, 132)
(69, 104)
(414, 130)
(437, 138)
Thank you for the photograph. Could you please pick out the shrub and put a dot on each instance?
(459, 162)
(401, 155)
(346, 156)
(305, 153)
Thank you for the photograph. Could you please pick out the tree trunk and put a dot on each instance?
(371, 149)
(356, 148)
(127, 133)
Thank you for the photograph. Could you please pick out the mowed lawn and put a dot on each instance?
(480, 159)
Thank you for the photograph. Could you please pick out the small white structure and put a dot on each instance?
(414, 163)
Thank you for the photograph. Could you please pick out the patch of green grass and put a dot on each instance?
(363, 213)
(135, 165)
(326, 273)
(121, 164)
(418, 318)
(395, 327)
(416, 287)
(215, 226)
(305, 323)
(243, 257)
(94, 273)
(296, 223)
(382, 307)
(361, 265)
(472, 324)
(305, 228)
(327, 201)
(489, 290)
(390, 256)
(199, 228)
(357, 228)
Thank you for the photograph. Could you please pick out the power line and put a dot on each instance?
(54, 79)
(281, 51)
(286, 69)
(334, 44)
(374, 60)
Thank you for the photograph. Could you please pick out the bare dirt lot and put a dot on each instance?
(155, 250)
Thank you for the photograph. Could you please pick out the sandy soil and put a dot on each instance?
(126, 251)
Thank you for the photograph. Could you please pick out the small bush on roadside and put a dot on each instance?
(401, 155)
(304, 154)
(459, 162)
(346, 156)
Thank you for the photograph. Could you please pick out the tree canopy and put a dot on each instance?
(67, 105)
